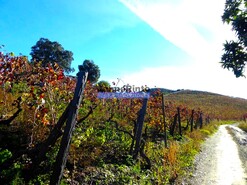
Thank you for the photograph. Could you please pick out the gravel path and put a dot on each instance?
(219, 162)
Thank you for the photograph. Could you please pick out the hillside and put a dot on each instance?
(221, 106)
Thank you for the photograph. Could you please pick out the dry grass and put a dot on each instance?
(172, 153)
(171, 160)
(243, 126)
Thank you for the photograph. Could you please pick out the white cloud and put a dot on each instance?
(196, 27)
(190, 77)
(177, 21)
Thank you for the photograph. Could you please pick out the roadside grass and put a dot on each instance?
(179, 157)
(190, 147)
(243, 125)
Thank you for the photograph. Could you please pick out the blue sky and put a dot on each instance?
(174, 44)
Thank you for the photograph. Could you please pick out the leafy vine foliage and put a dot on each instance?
(34, 97)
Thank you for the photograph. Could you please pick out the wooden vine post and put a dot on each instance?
(62, 155)
(164, 119)
(137, 142)
(179, 121)
(140, 123)
(192, 120)
(200, 120)
(173, 126)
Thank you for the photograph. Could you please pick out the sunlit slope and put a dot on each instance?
(218, 106)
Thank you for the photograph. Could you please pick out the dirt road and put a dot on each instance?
(222, 159)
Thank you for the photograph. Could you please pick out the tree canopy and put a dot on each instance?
(103, 86)
(235, 52)
(49, 52)
(92, 69)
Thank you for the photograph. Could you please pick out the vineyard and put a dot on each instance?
(108, 145)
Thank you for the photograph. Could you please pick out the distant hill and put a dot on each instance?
(217, 105)
(163, 90)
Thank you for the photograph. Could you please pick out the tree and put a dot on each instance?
(50, 53)
(103, 86)
(92, 69)
(235, 52)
